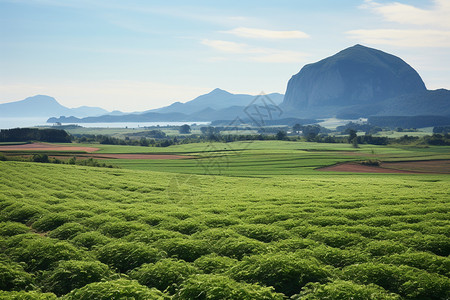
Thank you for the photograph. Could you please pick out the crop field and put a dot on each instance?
(238, 221)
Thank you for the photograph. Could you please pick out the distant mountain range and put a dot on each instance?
(216, 105)
(356, 82)
(215, 100)
(45, 106)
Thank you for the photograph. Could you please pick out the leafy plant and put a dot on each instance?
(73, 274)
(13, 277)
(90, 239)
(287, 273)
(51, 221)
(125, 256)
(67, 231)
(41, 253)
(220, 287)
(344, 290)
(165, 275)
(12, 228)
(116, 289)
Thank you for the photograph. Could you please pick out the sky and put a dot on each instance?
(137, 55)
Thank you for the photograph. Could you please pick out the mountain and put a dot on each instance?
(44, 106)
(218, 104)
(363, 81)
(217, 100)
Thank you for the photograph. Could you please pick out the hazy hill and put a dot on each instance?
(44, 106)
(217, 100)
(218, 104)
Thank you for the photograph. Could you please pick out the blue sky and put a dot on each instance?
(136, 55)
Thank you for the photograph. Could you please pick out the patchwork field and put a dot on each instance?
(272, 228)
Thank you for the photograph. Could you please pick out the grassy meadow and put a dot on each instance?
(242, 220)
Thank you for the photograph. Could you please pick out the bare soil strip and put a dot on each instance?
(421, 166)
(45, 147)
(52, 147)
(405, 167)
(136, 156)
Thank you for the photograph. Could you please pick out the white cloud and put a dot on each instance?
(402, 37)
(246, 52)
(410, 26)
(229, 47)
(437, 16)
(266, 34)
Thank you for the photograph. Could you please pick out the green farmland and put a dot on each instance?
(243, 220)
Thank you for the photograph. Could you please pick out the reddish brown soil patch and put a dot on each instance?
(357, 168)
(138, 156)
(45, 147)
(406, 167)
(423, 166)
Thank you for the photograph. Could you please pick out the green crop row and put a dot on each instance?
(73, 232)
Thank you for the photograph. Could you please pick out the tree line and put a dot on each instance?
(34, 134)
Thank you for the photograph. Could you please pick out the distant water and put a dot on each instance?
(134, 124)
(7, 123)
(332, 123)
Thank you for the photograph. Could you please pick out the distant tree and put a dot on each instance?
(351, 135)
(144, 142)
(297, 127)
(185, 129)
(311, 132)
(281, 135)
(43, 158)
(441, 129)
(355, 142)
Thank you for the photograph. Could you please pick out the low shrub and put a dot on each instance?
(338, 257)
(125, 256)
(220, 287)
(13, 277)
(344, 290)
(39, 253)
(116, 289)
(72, 274)
(22, 213)
(188, 226)
(261, 232)
(12, 228)
(421, 260)
(213, 263)
(409, 282)
(67, 231)
(51, 221)
(22, 295)
(337, 239)
(152, 235)
(384, 247)
(121, 229)
(294, 244)
(185, 249)
(238, 247)
(165, 275)
(90, 239)
(286, 272)
(219, 222)
(371, 162)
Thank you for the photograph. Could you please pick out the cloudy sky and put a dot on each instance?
(136, 55)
